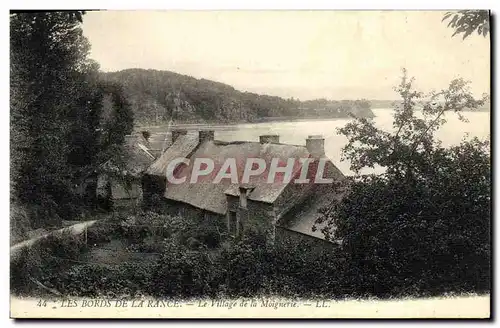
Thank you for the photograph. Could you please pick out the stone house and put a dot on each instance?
(119, 186)
(280, 209)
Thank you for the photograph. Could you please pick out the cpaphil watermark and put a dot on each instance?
(277, 170)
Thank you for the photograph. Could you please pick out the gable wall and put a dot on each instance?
(258, 216)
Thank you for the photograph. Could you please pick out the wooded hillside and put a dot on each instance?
(158, 96)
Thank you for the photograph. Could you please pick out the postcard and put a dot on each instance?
(250, 164)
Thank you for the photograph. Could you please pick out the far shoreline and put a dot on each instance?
(223, 126)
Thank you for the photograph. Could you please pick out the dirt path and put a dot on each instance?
(76, 229)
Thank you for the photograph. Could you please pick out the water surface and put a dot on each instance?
(296, 132)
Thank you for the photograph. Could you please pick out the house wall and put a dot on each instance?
(258, 217)
(123, 190)
(174, 208)
(153, 189)
(126, 205)
(125, 197)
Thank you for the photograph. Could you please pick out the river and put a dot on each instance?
(296, 132)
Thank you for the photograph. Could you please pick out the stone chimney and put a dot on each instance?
(206, 135)
(269, 138)
(177, 133)
(315, 145)
(245, 190)
(146, 134)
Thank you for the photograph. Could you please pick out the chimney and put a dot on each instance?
(206, 135)
(315, 145)
(177, 133)
(245, 190)
(146, 134)
(269, 138)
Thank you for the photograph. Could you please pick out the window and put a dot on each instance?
(233, 223)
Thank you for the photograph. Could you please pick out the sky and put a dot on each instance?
(300, 54)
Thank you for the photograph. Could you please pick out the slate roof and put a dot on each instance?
(211, 196)
(157, 142)
(182, 147)
(133, 162)
(303, 216)
(135, 159)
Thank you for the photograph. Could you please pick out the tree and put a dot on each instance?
(48, 61)
(162, 95)
(423, 225)
(469, 21)
(56, 114)
(118, 118)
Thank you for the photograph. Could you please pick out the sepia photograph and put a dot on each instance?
(250, 164)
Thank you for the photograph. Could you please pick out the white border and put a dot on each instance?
(257, 4)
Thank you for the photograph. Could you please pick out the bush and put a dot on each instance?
(47, 257)
(94, 280)
(20, 223)
(307, 271)
(183, 273)
(147, 228)
(249, 266)
(439, 233)
(422, 227)
(207, 235)
(64, 245)
(22, 268)
(101, 232)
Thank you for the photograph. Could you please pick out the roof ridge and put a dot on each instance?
(239, 142)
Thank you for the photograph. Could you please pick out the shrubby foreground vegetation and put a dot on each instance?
(425, 223)
(190, 263)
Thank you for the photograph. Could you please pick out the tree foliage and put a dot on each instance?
(159, 96)
(56, 114)
(467, 22)
(424, 224)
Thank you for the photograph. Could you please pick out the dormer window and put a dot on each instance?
(245, 190)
